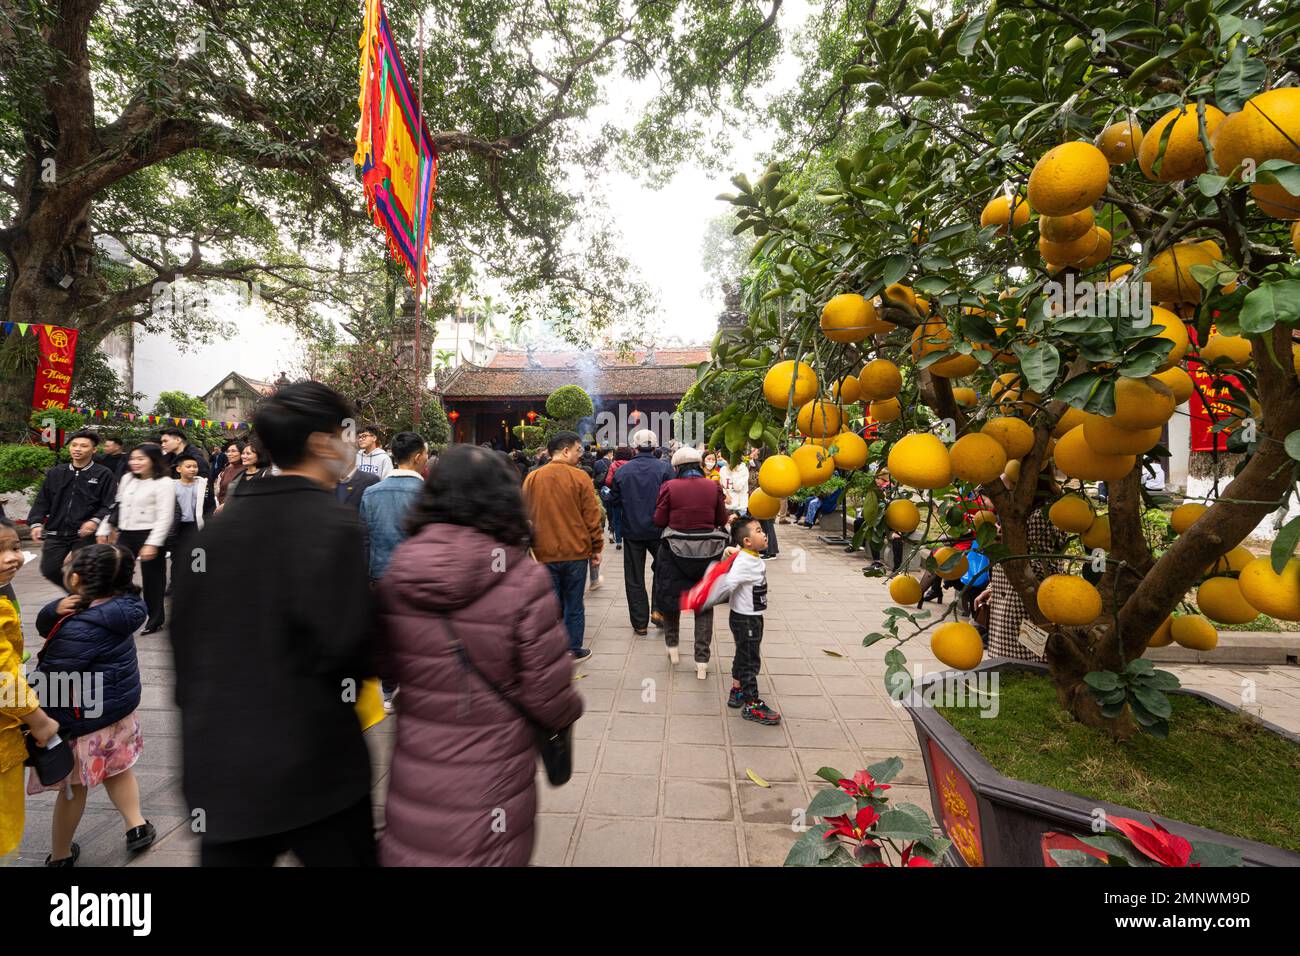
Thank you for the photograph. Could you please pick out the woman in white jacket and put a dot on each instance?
(142, 519)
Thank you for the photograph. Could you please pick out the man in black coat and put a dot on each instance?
(635, 489)
(113, 457)
(73, 499)
(176, 446)
(273, 750)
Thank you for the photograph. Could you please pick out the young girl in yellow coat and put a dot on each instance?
(18, 704)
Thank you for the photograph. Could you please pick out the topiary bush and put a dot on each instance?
(22, 466)
(568, 404)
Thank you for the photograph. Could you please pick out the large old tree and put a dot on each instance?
(209, 141)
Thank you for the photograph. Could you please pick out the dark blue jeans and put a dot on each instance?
(615, 513)
(570, 580)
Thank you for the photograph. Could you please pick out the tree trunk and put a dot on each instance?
(1074, 653)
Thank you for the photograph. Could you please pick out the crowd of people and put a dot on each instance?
(302, 567)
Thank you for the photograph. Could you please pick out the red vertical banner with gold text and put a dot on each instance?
(58, 350)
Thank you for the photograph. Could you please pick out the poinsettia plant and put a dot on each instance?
(1135, 844)
(861, 827)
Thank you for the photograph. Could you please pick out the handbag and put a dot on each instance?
(554, 747)
(53, 762)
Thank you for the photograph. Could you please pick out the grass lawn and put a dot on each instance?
(1216, 769)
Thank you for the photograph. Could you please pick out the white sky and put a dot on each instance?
(662, 230)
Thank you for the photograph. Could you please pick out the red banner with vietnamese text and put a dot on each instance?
(58, 350)
(1215, 389)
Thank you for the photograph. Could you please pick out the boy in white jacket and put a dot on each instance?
(746, 583)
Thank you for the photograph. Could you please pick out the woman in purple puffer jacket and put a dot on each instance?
(463, 789)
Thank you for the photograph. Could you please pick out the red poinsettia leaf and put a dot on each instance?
(1154, 842)
(866, 817)
(919, 861)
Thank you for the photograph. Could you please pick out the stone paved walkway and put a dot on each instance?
(661, 776)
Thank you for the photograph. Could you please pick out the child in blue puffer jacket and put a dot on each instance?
(88, 679)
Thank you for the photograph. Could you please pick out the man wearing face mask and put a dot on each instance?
(273, 750)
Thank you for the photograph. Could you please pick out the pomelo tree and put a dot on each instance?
(1048, 215)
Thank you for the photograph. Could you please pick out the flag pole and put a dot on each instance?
(420, 239)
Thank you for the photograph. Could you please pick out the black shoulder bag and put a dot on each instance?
(555, 747)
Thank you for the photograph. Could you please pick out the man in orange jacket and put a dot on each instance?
(567, 536)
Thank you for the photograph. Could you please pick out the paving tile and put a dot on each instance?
(615, 842)
(778, 803)
(816, 734)
(632, 756)
(697, 704)
(565, 799)
(624, 795)
(854, 686)
(698, 800)
(796, 685)
(698, 761)
(637, 727)
(768, 845)
(690, 729)
(817, 708)
(882, 734)
(770, 763)
(551, 839)
(697, 844)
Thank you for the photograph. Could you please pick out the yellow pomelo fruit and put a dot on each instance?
(1184, 156)
(1119, 142)
(1226, 351)
(902, 516)
(935, 336)
(1220, 600)
(1013, 434)
(779, 476)
(1185, 515)
(1098, 536)
(1117, 274)
(1267, 127)
(901, 295)
(889, 410)
(920, 460)
(1170, 272)
(1234, 560)
(1071, 252)
(850, 451)
(762, 505)
(1109, 439)
(983, 517)
(941, 557)
(1004, 384)
(1178, 382)
(819, 419)
(776, 384)
(957, 645)
(1171, 328)
(1012, 474)
(847, 390)
(1070, 418)
(1295, 237)
(997, 212)
(1142, 403)
(905, 589)
(1060, 229)
(1277, 595)
(847, 318)
(1078, 459)
(880, 379)
(1072, 514)
(1273, 199)
(977, 458)
(1069, 601)
(1194, 631)
(1068, 178)
(814, 464)
(1100, 254)
(965, 397)
(1163, 635)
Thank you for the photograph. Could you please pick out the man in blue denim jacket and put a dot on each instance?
(385, 505)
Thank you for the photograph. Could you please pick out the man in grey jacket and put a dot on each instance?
(635, 488)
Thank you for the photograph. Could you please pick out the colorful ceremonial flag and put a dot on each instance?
(398, 171)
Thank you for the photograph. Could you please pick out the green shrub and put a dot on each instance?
(23, 466)
(569, 403)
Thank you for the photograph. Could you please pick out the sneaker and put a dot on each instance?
(736, 699)
(673, 655)
(639, 631)
(767, 557)
(67, 860)
(760, 713)
(582, 653)
(618, 547)
(141, 837)
(656, 619)
(701, 671)
(599, 580)
(390, 705)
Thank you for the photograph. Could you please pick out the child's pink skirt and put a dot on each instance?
(99, 755)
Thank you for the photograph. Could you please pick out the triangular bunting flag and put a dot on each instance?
(22, 327)
(8, 327)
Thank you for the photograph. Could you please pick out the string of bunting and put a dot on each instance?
(160, 419)
(22, 327)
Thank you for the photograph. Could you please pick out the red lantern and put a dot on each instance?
(453, 415)
(532, 417)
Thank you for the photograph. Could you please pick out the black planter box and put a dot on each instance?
(996, 821)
